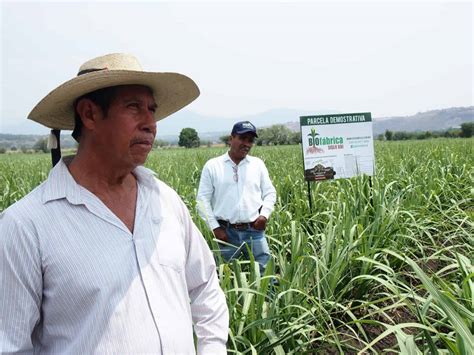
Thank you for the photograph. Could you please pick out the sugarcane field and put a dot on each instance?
(237, 177)
(381, 266)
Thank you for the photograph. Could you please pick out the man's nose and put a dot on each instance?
(149, 122)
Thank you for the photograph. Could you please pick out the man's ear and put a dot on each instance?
(89, 112)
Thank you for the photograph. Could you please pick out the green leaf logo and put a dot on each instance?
(312, 136)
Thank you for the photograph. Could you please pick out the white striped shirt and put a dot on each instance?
(74, 279)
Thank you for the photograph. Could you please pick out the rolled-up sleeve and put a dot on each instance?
(21, 290)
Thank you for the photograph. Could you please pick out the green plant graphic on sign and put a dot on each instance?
(312, 137)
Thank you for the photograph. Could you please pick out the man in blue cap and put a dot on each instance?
(236, 197)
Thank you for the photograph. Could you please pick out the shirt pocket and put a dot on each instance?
(168, 234)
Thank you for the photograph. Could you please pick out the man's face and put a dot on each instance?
(128, 131)
(240, 145)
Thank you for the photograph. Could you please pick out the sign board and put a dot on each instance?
(337, 146)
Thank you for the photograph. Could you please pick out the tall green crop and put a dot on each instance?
(380, 265)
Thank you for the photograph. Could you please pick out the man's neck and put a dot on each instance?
(234, 159)
(117, 189)
(99, 176)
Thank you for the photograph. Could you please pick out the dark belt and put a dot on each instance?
(238, 226)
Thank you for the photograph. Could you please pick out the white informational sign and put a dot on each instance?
(337, 146)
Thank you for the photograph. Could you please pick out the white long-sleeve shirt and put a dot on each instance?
(74, 279)
(221, 196)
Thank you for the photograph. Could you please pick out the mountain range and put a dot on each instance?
(435, 120)
(213, 127)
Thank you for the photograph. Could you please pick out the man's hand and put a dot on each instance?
(220, 234)
(260, 223)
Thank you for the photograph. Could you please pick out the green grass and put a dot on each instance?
(378, 266)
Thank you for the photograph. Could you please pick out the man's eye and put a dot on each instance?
(134, 105)
(153, 109)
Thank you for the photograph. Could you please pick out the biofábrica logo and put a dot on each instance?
(315, 140)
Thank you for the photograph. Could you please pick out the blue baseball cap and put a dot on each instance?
(243, 127)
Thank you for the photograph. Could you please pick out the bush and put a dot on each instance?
(188, 138)
(467, 129)
(41, 145)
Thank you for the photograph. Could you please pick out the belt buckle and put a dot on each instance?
(241, 226)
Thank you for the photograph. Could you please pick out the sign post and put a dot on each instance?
(337, 146)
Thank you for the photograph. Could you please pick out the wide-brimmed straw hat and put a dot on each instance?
(172, 91)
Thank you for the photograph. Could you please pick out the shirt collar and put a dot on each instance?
(61, 184)
(226, 157)
(145, 177)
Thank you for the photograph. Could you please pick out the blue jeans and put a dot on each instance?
(256, 241)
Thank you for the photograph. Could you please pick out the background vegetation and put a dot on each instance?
(188, 138)
(380, 265)
(282, 134)
(466, 130)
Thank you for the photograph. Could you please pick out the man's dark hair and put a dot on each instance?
(102, 97)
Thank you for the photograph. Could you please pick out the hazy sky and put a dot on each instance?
(389, 58)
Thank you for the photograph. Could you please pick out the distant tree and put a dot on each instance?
(295, 137)
(276, 135)
(427, 135)
(400, 136)
(188, 138)
(206, 143)
(280, 134)
(467, 129)
(452, 133)
(13, 149)
(380, 137)
(388, 135)
(263, 137)
(224, 139)
(3, 150)
(160, 143)
(41, 145)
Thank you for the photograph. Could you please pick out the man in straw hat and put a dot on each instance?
(103, 256)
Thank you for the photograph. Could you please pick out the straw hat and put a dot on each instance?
(172, 91)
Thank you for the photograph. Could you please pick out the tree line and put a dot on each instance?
(466, 131)
(274, 135)
(280, 135)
